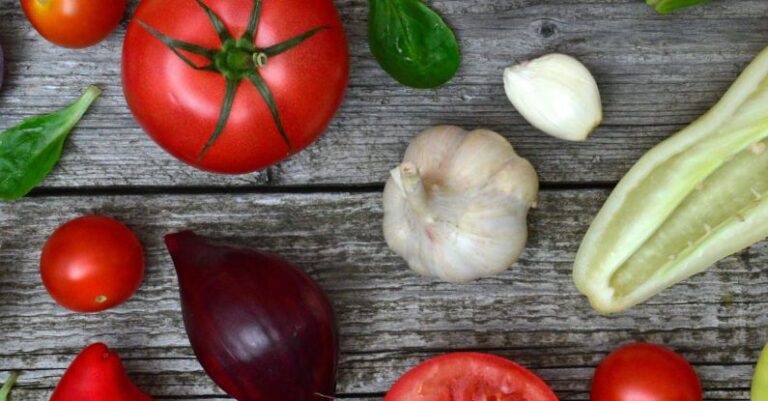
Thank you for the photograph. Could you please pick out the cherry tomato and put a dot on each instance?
(74, 23)
(92, 263)
(469, 377)
(180, 107)
(645, 372)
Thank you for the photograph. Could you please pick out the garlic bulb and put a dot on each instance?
(457, 206)
(556, 94)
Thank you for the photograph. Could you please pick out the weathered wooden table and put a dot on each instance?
(322, 208)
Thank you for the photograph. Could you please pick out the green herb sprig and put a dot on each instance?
(30, 150)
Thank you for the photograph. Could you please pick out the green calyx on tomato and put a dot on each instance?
(236, 60)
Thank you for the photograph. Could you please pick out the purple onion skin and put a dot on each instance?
(262, 329)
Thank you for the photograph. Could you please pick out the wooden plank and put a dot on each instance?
(390, 319)
(657, 73)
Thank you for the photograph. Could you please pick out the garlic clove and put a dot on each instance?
(556, 94)
(518, 179)
(440, 143)
(482, 154)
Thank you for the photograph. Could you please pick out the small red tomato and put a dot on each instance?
(467, 376)
(645, 372)
(74, 23)
(92, 263)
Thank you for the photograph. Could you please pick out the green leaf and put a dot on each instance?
(412, 43)
(226, 109)
(29, 151)
(5, 391)
(668, 6)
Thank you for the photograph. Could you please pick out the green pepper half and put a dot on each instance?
(760, 381)
(694, 199)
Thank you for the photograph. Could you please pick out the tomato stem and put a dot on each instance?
(260, 59)
(240, 60)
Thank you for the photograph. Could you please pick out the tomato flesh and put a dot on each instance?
(92, 263)
(469, 377)
(645, 372)
(74, 23)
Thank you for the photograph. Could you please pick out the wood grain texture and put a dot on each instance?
(390, 319)
(657, 73)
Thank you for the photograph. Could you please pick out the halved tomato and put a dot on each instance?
(467, 376)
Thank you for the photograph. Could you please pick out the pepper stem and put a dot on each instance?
(413, 187)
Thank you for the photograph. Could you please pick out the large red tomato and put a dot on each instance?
(645, 372)
(469, 377)
(74, 23)
(92, 263)
(285, 87)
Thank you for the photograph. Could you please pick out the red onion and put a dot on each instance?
(261, 329)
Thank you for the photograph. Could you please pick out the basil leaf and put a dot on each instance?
(29, 151)
(668, 6)
(412, 43)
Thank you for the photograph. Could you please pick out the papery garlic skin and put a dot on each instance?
(556, 94)
(456, 208)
